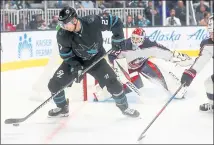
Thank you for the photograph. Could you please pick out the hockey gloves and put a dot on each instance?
(118, 44)
(113, 55)
(181, 59)
(75, 70)
(188, 76)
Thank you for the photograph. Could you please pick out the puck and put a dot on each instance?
(16, 124)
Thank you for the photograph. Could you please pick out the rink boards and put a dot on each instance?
(33, 48)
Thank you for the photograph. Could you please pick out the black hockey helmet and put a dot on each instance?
(67, 14)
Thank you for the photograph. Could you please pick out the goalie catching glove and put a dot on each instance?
(181, 59)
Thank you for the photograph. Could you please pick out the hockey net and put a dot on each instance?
(78, 91)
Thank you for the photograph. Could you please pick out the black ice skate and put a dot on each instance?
(60, 112)
(127, 111)
(206, 107)
(122, 104)
(131, 113)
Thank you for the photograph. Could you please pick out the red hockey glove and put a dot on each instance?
(188, 76)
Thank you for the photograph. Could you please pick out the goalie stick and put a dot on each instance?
(125, 81)
(19, 120)
(142, 135)
(128, 83)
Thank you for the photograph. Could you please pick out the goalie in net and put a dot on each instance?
(138, 51)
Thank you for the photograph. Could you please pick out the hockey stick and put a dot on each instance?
(19, 120)
(158, 114)
(129, 84)
(126, 81)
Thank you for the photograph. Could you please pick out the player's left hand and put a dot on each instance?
(188, 76)
(118, 45)
(80, 76)
(113, 55)
(181, 59)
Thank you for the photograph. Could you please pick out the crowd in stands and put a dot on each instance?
(175, 12)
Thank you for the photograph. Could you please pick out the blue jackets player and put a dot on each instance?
(206, 53)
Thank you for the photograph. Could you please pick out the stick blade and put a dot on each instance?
(12, 121)
(141, 137)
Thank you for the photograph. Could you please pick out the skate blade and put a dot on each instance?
(207, 111)
(59, 116)
(133, 117)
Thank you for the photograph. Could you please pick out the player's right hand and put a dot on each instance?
(188, 76)
(76, 70)
(113, 55)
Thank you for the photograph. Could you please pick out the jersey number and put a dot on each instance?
(105, 22)
(60, 73)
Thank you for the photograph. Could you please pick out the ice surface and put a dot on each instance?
(181, 121)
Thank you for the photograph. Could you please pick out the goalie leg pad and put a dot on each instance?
(137, 81)
(154, 72)
(209, 87)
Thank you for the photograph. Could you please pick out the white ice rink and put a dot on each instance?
(181, 122)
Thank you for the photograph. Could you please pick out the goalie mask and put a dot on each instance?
(138, 36)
